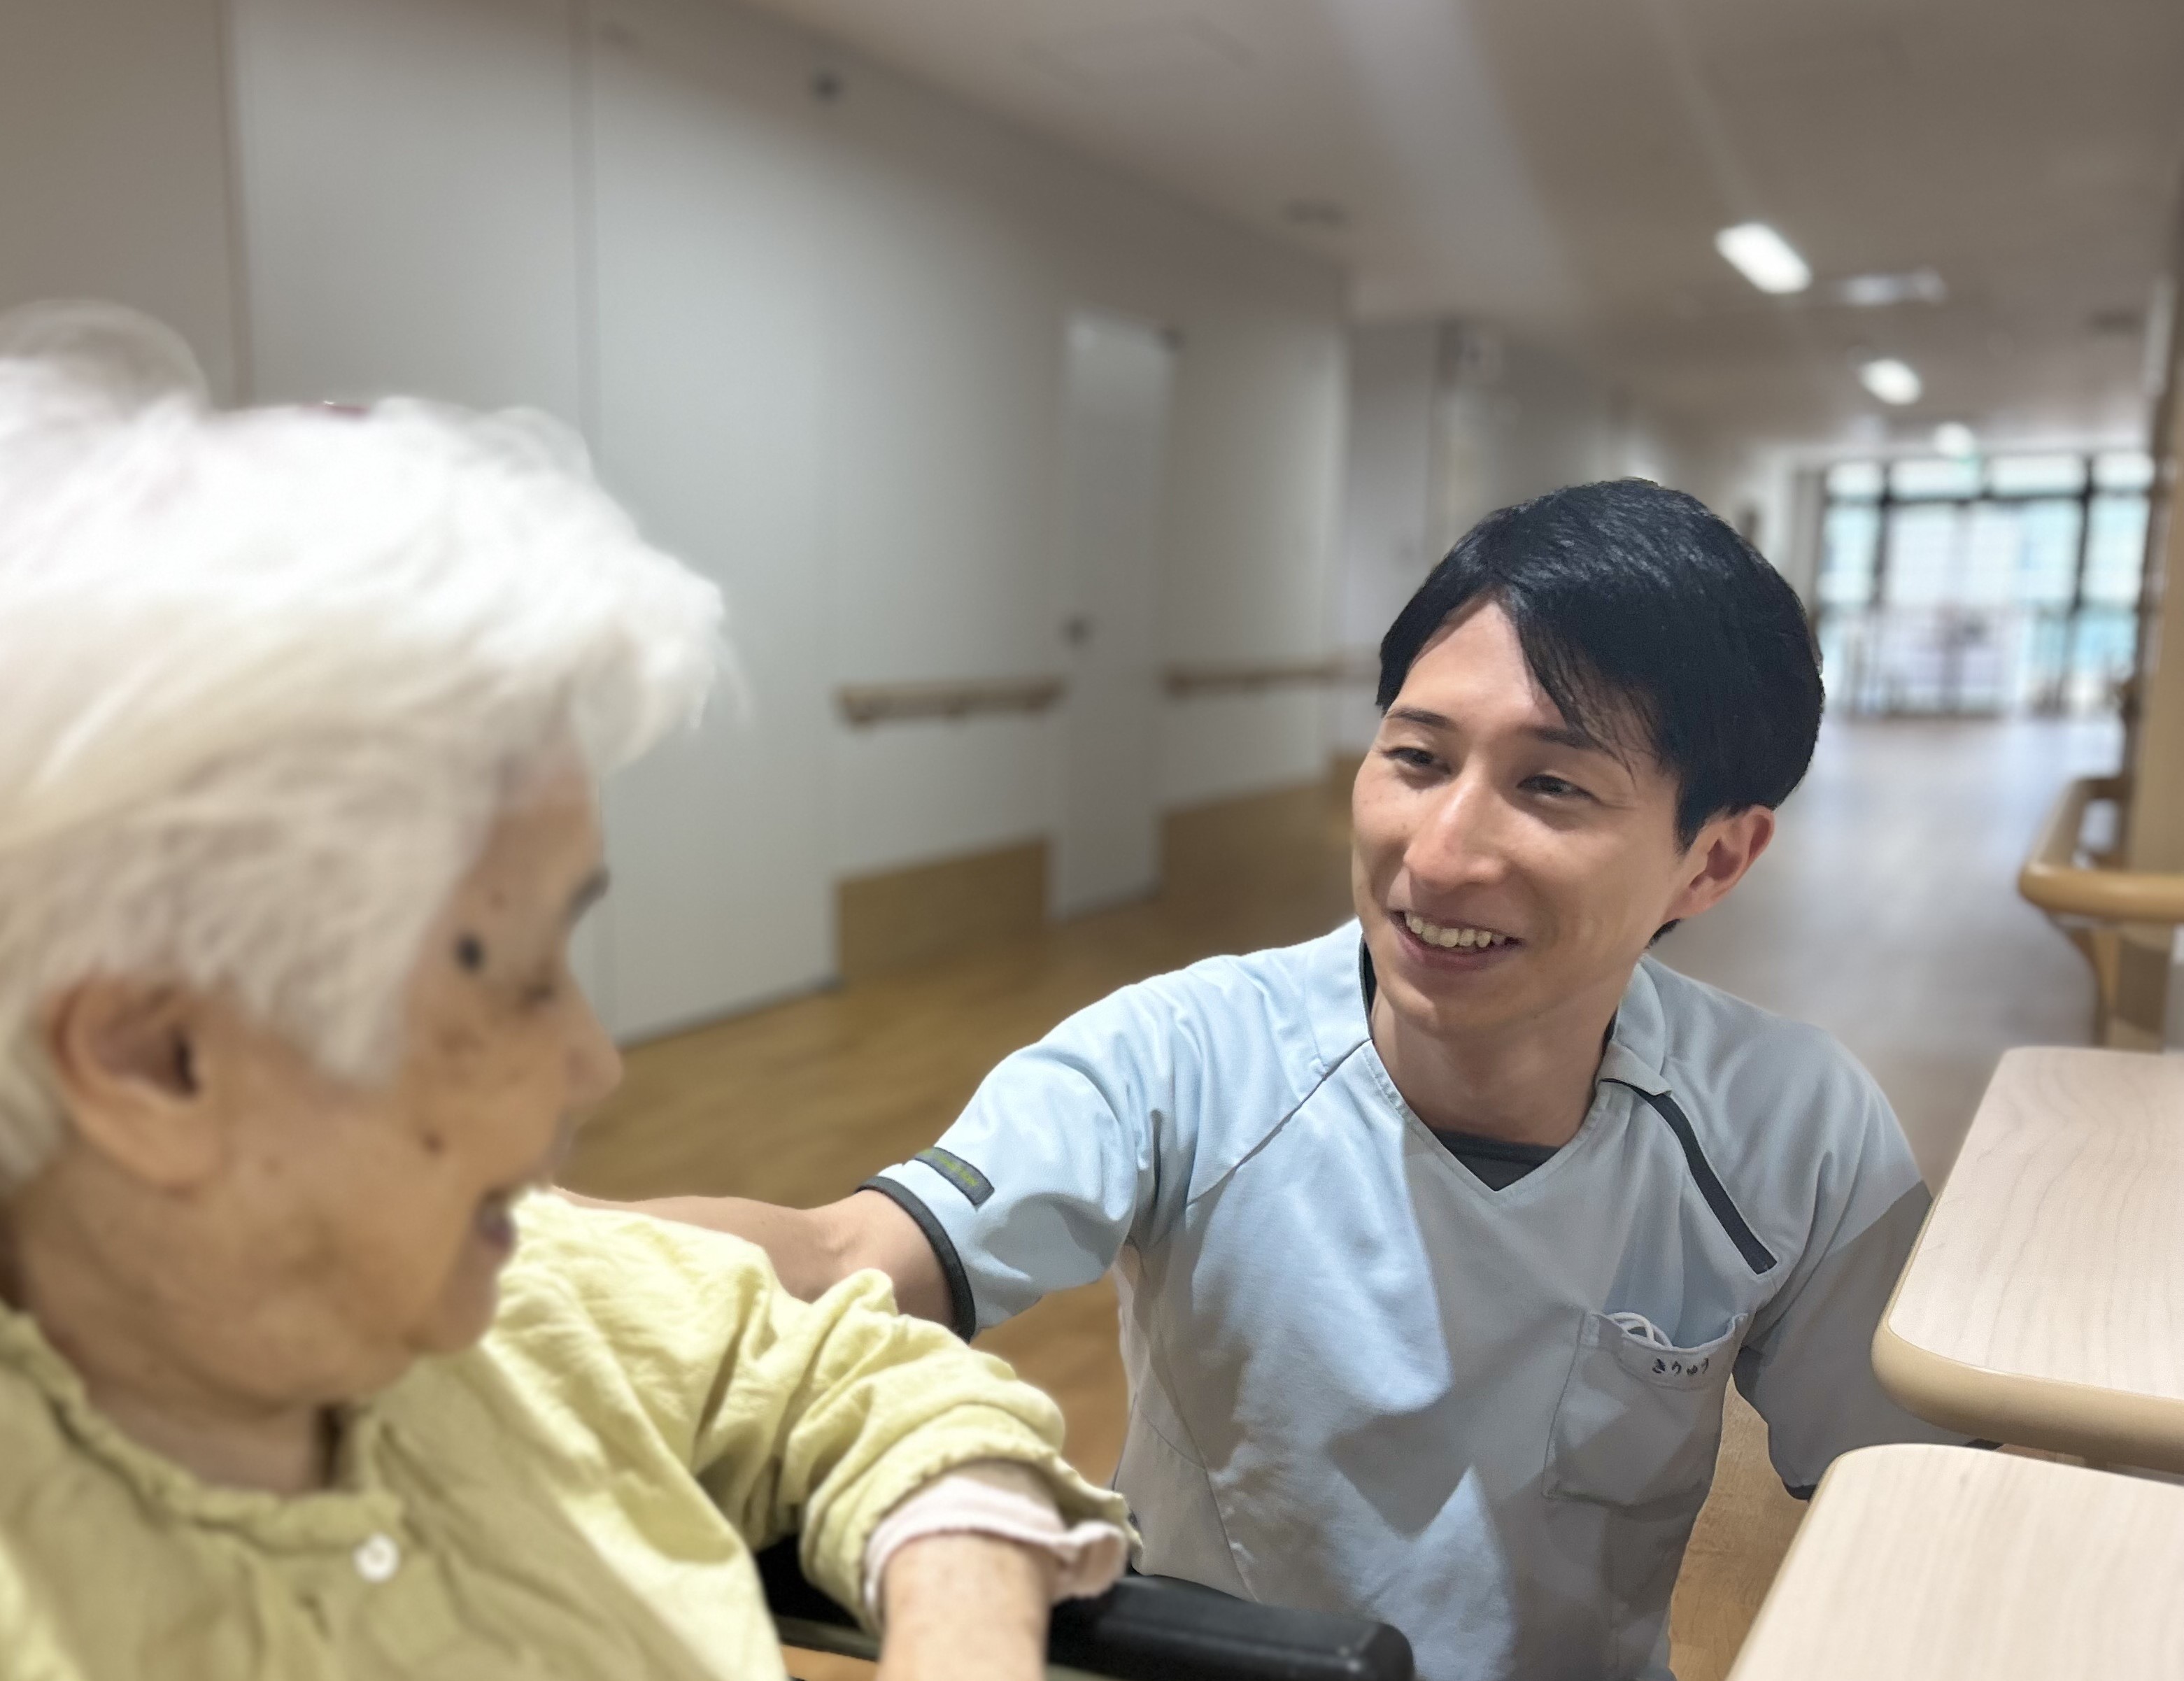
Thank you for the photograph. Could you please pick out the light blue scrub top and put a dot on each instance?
(1361, 1380)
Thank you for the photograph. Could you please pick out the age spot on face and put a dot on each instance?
(470, 953)
(459, 1042)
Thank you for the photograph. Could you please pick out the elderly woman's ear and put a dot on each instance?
(133, 1063)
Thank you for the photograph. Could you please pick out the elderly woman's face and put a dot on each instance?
(297, 1237)
(415, 1183)
(408, 1190)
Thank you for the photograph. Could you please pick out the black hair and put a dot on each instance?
(1639, 609)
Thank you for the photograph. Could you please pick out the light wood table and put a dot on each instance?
(2044, 1304)
(1920, 1563)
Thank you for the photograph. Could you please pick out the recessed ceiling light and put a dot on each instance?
(1954, 438)
(1891, 380)
(1875, 291)
(1763, 257)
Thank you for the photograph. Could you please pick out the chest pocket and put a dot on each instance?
(1639, 1422)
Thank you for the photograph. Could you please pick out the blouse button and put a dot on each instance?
(378, 1559)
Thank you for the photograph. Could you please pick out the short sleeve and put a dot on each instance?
(1060, 1158)
(1105, 1134)
(1807, 1367)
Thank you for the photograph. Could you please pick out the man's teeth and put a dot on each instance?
(1454, 939)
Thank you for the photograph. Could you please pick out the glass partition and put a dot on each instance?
(1959, 584)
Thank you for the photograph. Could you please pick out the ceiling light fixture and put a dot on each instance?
(1954, 438)
(1878, 292)
(1763, 257)
(1891, 380)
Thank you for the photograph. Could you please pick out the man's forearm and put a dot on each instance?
(814, 1249)
(802, 1243)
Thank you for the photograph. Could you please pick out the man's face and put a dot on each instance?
(1506, 868)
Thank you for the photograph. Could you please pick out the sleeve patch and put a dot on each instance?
(976, 1187)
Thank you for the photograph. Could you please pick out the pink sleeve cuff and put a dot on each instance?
(1089, 1557)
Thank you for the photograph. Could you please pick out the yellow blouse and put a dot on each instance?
(576, 1497)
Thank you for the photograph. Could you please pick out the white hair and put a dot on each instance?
(267, 677)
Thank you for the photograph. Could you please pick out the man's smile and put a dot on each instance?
(1443, 940)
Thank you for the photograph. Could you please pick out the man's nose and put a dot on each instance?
(1460, 844)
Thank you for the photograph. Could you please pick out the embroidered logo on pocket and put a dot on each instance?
(1678, 1365)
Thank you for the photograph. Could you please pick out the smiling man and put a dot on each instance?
(1441, 1238)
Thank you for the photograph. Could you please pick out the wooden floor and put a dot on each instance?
(1885, 913)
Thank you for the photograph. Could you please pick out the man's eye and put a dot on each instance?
(1555, 788)
(1415, 758)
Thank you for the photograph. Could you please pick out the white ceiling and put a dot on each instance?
(1561, 166)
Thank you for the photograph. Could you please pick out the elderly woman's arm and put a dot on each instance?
(928, 1581)
(824, 1418)
(929, 1636)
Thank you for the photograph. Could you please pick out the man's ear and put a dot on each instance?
(128, 1059)
(1717, 858)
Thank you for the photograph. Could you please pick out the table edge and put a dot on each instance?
(2117, 1426)
(1776, 1603)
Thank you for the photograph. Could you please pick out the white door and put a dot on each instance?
(1117, 394)
(711, 372)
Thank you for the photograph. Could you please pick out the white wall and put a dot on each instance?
(1390, 535)
(1450, 421)
(1512, 420)
(817, 344)
(711, 326)
(962, 249)
(1260, 422)
(944, 254)
(410, 208)
(1391, 530)
(113, 165)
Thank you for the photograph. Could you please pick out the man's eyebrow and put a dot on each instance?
(1562, 734)
(1555, 735)
(592, 889)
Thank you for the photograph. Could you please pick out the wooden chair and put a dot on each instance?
(2124, 921)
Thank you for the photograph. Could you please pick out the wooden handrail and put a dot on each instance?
(864, 704)
(1185, 679)
(2054, 879)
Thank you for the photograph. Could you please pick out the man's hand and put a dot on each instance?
(814, 1248)
(965, 1608)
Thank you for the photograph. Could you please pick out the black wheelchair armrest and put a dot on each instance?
(1144, 1629)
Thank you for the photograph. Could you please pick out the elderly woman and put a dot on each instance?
(301, 718)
